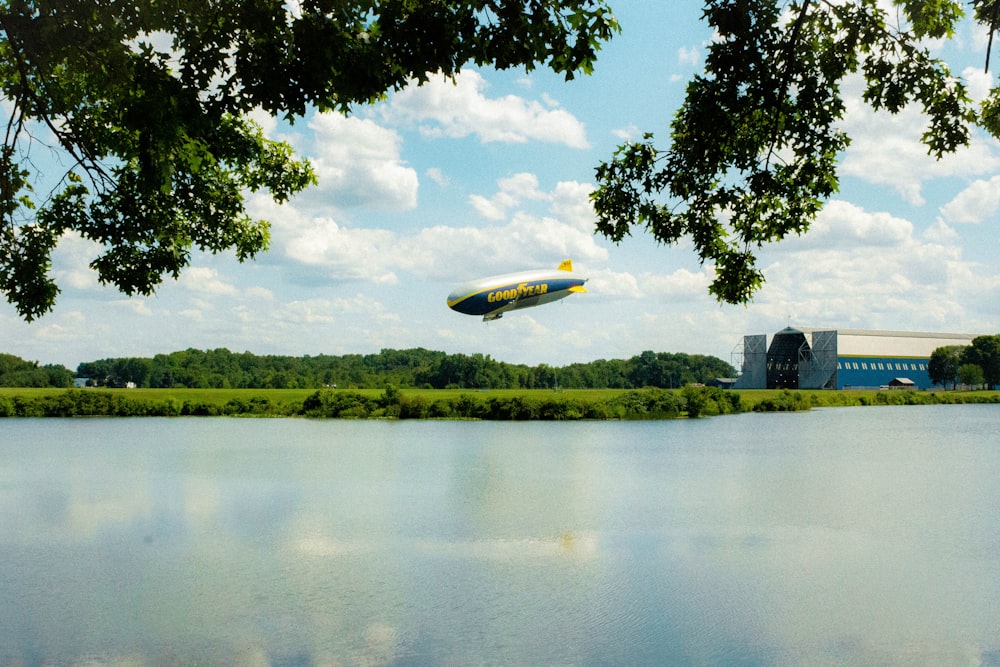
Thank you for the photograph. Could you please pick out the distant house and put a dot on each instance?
(80, 383)
(902, 383)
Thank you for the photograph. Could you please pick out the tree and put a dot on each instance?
(147, 105)
(755, 144)
(943, 365)
(985, 353)
(16, 372)
(970, 375)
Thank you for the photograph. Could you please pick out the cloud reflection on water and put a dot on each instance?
(288, 541)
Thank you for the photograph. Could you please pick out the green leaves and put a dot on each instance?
(24, 270)
(933, 18)
(755, 145)
(148, 103)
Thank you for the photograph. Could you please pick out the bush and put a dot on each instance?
(786, 401)
(343, 404)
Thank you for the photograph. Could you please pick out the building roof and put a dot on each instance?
(888, 343)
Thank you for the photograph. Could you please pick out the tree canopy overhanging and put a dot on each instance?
(148, 103)
(754, 148)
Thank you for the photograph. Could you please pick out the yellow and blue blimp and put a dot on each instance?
(494, 296)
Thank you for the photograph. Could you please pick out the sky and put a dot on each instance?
(491, 173)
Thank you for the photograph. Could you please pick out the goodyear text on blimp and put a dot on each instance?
(521, 291)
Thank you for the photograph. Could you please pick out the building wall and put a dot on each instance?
(868, 372)
(864, 358)
(753, 374)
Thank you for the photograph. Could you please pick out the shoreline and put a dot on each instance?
(496, 405)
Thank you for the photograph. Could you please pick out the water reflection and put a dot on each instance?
(845, 536)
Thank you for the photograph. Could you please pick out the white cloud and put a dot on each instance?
(358, 163)
(616, 284)
(527, 240)
(72, 257)
(268, 123)
(678, 285)
(844, 224)
(438, 176)
(868, 270)
(689, 55)
(570, 204)
(460, 108)
(976, 203)
(344, 253)
(305, 312)
(135, 305)
(65, 329)
(513, 190)
(627, 133)
(206, 280)
(940, 232)
(979, 83)
(886, 149)
(322, 249)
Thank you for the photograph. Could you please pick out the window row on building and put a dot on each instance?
(886, 365)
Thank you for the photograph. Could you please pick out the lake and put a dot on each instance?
(839, 536)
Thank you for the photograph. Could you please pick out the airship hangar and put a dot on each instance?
(805, 358)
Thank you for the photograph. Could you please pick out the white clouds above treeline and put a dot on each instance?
(365, 259)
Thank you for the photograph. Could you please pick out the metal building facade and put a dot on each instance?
(806, 358)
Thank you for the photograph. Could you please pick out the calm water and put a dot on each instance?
(847, 536)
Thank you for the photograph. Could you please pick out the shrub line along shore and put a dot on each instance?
(502, 404)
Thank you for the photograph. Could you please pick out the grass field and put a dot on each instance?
(748, 398)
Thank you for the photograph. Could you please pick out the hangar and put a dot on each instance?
(804, 358)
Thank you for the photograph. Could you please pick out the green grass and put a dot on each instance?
(750, 397)
(280, 402)
(223, 396)
(212, 396)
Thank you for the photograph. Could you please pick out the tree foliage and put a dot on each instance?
(943, 365)
(971, 375)
(985, 353)
(415, 367)
(147, 106)
(754, 148)
(975, 364)
(16, 372)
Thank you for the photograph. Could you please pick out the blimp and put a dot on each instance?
(494, 296)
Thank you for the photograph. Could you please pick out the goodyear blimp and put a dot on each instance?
(492, 297)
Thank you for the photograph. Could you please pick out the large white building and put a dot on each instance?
(806, 358)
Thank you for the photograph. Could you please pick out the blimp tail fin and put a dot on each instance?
(576, 289)
(567, 265)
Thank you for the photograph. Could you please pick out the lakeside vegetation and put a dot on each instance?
(414, 367)
(412, 384)
(392, 403)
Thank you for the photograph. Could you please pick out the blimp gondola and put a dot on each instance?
(494, 296)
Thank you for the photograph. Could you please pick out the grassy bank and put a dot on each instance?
(541, 404)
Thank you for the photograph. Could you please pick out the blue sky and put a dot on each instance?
(490, 174)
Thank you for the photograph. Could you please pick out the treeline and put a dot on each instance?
(417, 367)
(972, 365)
(16, 372)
